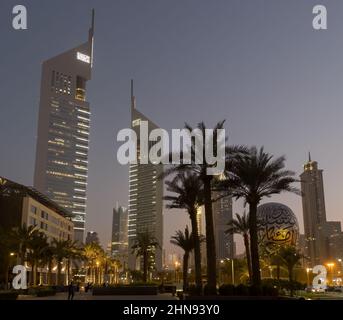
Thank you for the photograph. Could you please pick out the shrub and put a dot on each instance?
(227, 290)
(242, 290)
(42, 291)
(207, 291)
(8, 295)
(194, 291)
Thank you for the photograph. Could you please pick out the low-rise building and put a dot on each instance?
(21, 205)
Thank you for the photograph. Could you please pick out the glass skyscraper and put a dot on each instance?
(63, 131)
(145, 195)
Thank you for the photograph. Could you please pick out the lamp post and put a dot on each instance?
(308, 276)
(331, 265)
(233, 271)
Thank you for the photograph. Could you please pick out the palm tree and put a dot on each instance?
(24, 235)
(36, 249)
(240, 225)
(186, 243)
(145, 243)
(7, 245)
(91, 253)
(189, 195)
(202, 172)
(62, 250)
(252, 176)
(48, 258)
(290, 257)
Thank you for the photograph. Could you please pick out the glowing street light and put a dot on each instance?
(308, 276)
(331, 265)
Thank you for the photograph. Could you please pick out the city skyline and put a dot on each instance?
(216, 76)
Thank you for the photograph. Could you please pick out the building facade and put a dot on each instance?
(222, 214)
(119, 245)
(63, 131)
(321, 235)
(145, 209)
(92, 237)
(21, 205)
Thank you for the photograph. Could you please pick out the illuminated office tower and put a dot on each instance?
(145, 196)
(119, 232)
(314, 212)
(63, 131)
(222, 214)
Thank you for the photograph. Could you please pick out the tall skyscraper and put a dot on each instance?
(92, 237)
(222, 214)
(145, 211)
(119, 244)
(314, 212)
(63, 131)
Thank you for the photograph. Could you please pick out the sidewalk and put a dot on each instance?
(89, 296)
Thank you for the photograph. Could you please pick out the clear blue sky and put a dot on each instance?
(258, 64)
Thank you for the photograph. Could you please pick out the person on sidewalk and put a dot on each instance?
(71, 291)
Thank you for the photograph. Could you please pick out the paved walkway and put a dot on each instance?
(89, 296)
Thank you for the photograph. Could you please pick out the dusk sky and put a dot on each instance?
(258, 64)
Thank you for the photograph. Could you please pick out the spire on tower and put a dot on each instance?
(309, 157)
(133, 98)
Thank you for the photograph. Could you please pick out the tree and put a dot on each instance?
(189, 195)
(252, 176)
(144, 245)
(7, 246)
(62, 250)
(24, 235)
(290, 257)
(36, 249)
(92, 253)
(186, 242)
(201, 171)
(240, 225)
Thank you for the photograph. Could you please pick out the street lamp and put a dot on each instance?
(331, 265)
(308, 276)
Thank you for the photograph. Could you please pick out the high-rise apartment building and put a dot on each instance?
(314, 212)
(222, 214)
(145, 209)
(119, 245)
(92, 237)
(63, 131)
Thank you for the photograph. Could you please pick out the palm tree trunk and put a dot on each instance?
(6, 269)
(290, 276)
(255, 262)
(59, 274)
(35, 274)
(210, 240)
(49, 272)
(197, 251)
(278, 274)
(185, 271)
(68, 271)
(22, 255)
(247, 253)
(145, 266)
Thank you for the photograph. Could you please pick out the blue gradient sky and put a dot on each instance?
(258, 64)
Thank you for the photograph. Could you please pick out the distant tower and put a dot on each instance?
(145, 194)
(61, 167)
(119, 232)
(314, 213)
(222, 214)
(92, 237)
